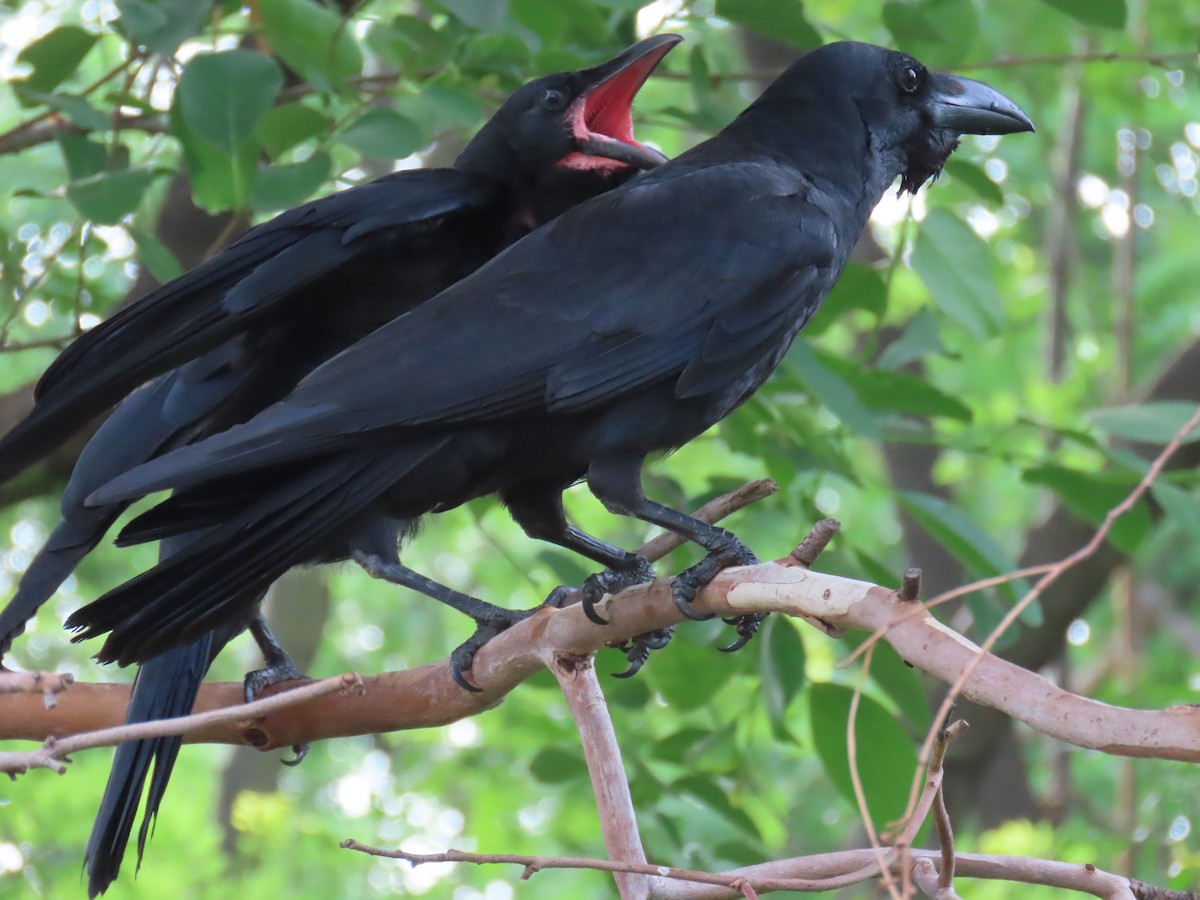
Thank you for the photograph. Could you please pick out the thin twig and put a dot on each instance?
(1165, 60)
(55, 753)
(765, 877)
(1053, 575)
(713, 511)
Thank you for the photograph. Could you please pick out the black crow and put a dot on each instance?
(250, 322)
(626, 327)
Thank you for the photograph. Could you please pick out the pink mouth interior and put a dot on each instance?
(607, 110)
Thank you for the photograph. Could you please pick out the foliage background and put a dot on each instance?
(985, 383)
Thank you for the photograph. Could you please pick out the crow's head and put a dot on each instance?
(579, 120)
(911, 118)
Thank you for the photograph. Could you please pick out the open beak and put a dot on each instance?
(971, 107)
(602, 116)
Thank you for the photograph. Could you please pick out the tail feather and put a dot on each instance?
(165, 687)
(70, 542)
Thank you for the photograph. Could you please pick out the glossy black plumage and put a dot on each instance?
(246, 325)
(627, 326)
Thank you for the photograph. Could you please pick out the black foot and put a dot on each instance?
(486, 628)
(279, 668)
(638, 650)
(747, 627)
(610, 581)
(691, 581)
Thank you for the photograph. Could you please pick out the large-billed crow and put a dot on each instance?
(627, 326)
(246, 325)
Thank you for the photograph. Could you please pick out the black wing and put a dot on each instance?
(253, 277)
(576, 313)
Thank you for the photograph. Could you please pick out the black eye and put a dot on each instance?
(909, 79)
(554, 100)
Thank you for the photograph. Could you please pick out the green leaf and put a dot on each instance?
(283, 186)
(54, 57)
(860, 287)
(383, 134)
(884, 754)
(704, 789)
(283, 127)
(781, 662)
(154, 255)
(223, 95)
(77, 109)
(976, 179)
(896, 679)
(162, 25)
(883, 389)
(965, 540)
(920, 340)
(313, 40)
(956, 266)
(108, 196)
(940, 32)
(1181, 507)
(1105, 13)
(81, 156)
(219, 180)
(478, 14)
(1147, 423)
(554, 765)
(832, 391)
(782, 20)
(688, 676)
(1090, 496)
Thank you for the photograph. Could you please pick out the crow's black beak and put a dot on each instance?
(971, 107)
(602, 116)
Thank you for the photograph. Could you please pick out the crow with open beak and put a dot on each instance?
(237, 333)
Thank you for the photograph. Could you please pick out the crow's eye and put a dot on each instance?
(554, 100)
(909, 79)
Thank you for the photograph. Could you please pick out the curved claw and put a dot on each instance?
(456, 672)
(684, 605)
(301, 751)
(747, 627)
(638, 650)
(589, 608)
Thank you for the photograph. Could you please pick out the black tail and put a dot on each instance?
(217, 578)
(165, 687)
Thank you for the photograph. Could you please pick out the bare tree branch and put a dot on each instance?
(806, 873)
(427, 696)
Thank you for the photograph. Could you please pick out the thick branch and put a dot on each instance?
(427, 696)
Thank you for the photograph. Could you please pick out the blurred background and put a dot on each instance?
(992, 374)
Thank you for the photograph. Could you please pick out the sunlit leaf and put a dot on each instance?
(956, 267)
(223, 95)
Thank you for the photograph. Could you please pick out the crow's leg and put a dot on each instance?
(279, 667)
(617, 483)
(489, 619)
(539, 511)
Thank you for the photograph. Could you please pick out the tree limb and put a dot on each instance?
(427, 696)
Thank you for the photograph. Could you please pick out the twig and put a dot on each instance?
(944, 888)
(1065, 59)
(768, 877)
(55, 753)
(1053, 575)
(713, 511)
(860, 795)
(618, 823)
